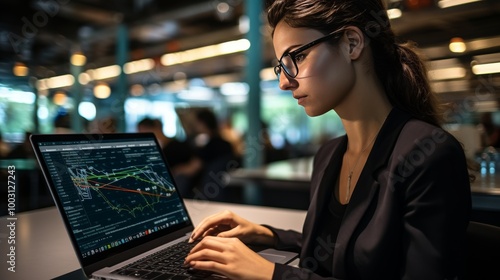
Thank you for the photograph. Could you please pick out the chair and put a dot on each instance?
(483, 251)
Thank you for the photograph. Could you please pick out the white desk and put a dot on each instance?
(44, 251)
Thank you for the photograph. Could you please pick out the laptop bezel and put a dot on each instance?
(125, 251)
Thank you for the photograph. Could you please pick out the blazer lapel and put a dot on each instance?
(322, 195)
(367, 185)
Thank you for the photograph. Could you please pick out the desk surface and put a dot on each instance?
(44, 251)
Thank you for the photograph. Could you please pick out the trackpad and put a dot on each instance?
(277, 256)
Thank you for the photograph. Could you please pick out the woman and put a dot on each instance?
(391, 198)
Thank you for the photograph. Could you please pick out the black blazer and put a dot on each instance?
(407, 216)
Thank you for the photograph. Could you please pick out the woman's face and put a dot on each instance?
(325, 73)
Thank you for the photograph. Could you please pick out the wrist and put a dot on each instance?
(263, 235)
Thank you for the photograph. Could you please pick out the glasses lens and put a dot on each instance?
(289, 66)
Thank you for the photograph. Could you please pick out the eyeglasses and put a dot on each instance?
(288, 61)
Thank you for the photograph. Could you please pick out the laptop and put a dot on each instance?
(120, 204)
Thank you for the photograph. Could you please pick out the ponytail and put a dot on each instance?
(404, 77)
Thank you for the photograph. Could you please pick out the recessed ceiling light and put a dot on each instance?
(457, 45)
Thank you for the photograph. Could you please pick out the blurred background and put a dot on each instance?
(105, 65)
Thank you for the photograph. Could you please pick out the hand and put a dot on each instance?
(229, 257)
(228, 224)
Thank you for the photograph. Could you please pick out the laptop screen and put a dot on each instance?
(114, 191)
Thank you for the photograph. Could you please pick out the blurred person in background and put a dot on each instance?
(103, 125)
(216, 155)
(230, 134)
(391, 199)
(22, 150)
(62, 123)
(179, 155)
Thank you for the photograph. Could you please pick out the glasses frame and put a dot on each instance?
(278, 69)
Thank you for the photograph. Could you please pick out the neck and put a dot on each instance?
(361, 133)
(363, 114)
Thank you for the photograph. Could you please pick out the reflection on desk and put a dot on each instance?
(44, 251)
(298, 169)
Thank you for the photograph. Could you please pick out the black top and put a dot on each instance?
(177, 152)
(215, 148)
(327, 233)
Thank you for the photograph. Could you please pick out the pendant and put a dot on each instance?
(348, 187)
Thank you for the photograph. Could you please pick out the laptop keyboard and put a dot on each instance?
(164, 264)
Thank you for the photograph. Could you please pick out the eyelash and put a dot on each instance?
(299, 57)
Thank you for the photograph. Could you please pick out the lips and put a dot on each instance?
(300, 98)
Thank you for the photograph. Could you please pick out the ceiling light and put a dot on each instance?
(20, 69)
(223, 7)
(102, 91)
(84, 78)
(139, 66)
(60, 81)
(105, 72)
(450, 3)
(205, 52)
(394, 13)
(457, 45)
(486, 68)
(78, 59)
(59, 98)
(447, 73)
(451, 86)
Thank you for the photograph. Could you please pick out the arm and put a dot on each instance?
(436, 213)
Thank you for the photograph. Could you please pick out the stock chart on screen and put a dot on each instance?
(114, 192)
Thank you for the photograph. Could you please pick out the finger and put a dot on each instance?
(211, 222)
(202, 228)
(216, 230)
(206, 255)
(210, 242)
(210, 266)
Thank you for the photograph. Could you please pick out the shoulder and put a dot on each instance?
(331, 144)
(420, 137)
(426, 152)
(326, 151)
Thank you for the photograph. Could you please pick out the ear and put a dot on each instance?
(356, 41)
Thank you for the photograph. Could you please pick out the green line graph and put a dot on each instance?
(129, 189)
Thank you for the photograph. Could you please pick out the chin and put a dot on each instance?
(314, 113)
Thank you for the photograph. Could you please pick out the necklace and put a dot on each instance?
(349, 177)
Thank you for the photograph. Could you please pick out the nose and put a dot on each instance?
(285, 82)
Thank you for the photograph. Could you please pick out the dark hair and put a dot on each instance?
(149, 122)
(208, 118)
(398, 67)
